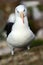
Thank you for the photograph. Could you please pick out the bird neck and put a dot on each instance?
(18, 19)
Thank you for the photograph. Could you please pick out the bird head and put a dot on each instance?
(21, 12)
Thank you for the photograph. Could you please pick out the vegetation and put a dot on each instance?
(40, 7)
(37, 42)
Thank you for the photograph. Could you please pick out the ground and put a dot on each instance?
(34, 56)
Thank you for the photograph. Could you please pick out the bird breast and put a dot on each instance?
(20, 34)
(19, 37)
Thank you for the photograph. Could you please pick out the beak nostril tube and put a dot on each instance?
(22, 16)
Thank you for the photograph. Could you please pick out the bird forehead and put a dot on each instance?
(20, 8)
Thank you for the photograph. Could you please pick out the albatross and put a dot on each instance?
(20, 34)
(9, 24)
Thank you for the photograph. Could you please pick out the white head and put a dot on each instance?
(21, 11)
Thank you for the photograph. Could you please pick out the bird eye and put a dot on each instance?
(24, 10)
(17, 11)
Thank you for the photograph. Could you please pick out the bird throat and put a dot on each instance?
(20, 19)
(23, 20)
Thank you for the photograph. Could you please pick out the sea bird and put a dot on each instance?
(20, 34)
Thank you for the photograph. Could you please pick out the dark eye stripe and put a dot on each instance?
(24, 9)
(18, 11)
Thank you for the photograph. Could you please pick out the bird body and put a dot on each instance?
(9, 24)
(20, 34)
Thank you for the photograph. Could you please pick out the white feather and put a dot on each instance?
(21, 33)
(11, 17)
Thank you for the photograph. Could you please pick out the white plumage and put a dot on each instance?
(11, 18)
(21, 33)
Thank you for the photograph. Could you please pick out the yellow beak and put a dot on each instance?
(22, 16)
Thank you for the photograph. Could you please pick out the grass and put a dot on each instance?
(40, 7)
(2, 37)
(37, 42)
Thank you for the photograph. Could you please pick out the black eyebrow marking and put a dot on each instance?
(17, 11)
(24, 10)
